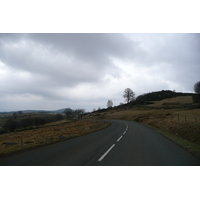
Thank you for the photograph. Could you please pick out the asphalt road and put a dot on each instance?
(123, 143)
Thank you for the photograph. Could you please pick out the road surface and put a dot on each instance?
(124, 143)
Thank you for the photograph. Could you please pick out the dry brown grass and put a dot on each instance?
(181, 100)
(15, 141)
(182, 123)
(63, 121)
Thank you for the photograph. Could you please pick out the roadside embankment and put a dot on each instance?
(22, 140)
(179, 125)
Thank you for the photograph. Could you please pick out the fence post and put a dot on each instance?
(196, 119)
(22, 143)
(170, 127)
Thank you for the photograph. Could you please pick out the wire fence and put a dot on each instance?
(193, 119)
(185, 126)
(186, 106)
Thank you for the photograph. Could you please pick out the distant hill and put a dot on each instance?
(34, 111)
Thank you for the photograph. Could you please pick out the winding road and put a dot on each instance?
(123, 143)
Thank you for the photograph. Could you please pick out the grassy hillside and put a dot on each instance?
(46, 134)
(174, 101)
(180, 125)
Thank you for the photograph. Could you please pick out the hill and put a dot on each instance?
(160, 95)
(35, 111)
(176, 101)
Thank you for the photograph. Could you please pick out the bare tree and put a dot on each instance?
(79, 113)
(197, 87)
(109, 103)
(68, 112)
(129, 95)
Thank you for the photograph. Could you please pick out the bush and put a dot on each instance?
(38, 121)
(196, 98)
(10, 125)
(59, 117)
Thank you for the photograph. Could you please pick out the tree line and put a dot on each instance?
(13, 123)
(74, 114)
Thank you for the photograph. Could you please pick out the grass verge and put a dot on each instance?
(189, 146)
(185, 122)
(15, 142)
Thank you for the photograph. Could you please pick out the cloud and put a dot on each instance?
(72, 57)
(85, 70)
(173, 58)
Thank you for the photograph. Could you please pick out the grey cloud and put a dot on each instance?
(90, 47)
(48, 64)
(175, 55)
(76, 57)
(168, 48)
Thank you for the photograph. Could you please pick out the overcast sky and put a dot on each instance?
(54, 71)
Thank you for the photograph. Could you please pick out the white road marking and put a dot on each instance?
(119, 138)
(126, 128)
(102, 157)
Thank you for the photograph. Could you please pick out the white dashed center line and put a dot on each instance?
(103, 156)
(119, 138)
